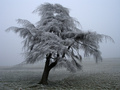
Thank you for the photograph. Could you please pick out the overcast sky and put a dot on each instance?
(102, 16)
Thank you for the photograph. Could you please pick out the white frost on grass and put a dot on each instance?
(105, 75)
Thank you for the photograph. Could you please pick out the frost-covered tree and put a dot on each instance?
(57, 38)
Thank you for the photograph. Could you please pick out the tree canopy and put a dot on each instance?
(58, 33)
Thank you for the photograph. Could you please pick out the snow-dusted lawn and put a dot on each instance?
(104, 75)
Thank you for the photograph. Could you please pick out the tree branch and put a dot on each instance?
(88, 46)
(68, 49)
(55, 62)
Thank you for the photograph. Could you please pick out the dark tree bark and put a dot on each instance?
(44, 78)
(47, 69)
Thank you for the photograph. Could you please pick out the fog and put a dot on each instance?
(102, 16)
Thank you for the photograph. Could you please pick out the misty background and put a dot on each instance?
(102, 16)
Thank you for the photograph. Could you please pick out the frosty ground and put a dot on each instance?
(104, 75)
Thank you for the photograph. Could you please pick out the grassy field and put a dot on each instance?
(102, 76)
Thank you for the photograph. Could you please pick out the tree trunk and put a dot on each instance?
(44, 78)
(47, 69)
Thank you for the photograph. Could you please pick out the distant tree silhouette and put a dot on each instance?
(57, 38)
